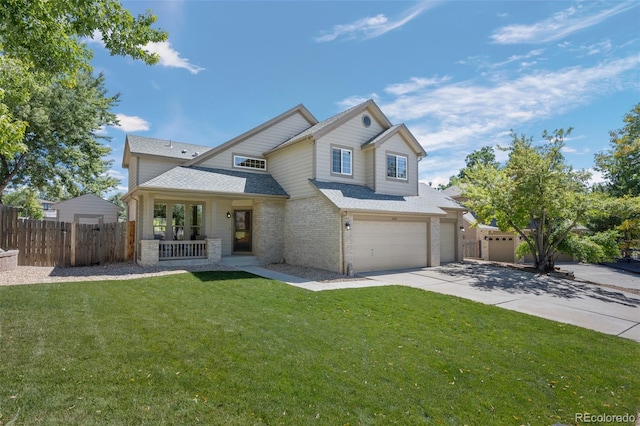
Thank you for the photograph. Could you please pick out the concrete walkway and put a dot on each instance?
(585, 305)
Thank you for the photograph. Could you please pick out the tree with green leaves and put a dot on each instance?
(117, 200)
(45, 72)
(47, 34)
(26, 199)
(62, 153)
(535, 194)
(485, 155)
(620, 165)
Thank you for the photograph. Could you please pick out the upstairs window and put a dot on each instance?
(396, 166)
(249, 163)
(341, 161)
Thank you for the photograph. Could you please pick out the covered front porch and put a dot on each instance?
(193, 229)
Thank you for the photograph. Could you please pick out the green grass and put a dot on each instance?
(230, 348)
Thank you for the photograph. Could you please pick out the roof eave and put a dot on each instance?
(300, 108)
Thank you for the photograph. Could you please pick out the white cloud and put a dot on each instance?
(132, 123)
(471, 113)
(596, 177)
(352, 101)
(414, 84)
(170, 57)
(374, 26)
(557, 26)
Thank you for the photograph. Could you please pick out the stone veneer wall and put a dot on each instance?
(268, 230)
(434, 241)
(8, 260)
(312, 234)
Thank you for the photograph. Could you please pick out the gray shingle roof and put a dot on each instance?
(164, 148)
(362, 198)
(327, 124)
(216, 181)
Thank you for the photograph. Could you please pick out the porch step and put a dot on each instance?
(184, 262)
(240, 261)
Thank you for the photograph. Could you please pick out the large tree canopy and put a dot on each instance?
(620, 165)
(484, 155)
(63, 154)
(50, 105)
(47, 33)
(534, 194)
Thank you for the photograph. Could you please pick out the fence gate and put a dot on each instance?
(48, 243)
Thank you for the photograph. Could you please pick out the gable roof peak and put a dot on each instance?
(298, 109)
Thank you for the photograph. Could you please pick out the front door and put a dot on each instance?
(242, 231)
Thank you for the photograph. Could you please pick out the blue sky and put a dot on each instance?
(459, 74)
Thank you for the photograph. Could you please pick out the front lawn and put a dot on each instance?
(229, 348)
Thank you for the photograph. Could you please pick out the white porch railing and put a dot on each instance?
(172, 250)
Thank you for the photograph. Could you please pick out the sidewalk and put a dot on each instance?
(584, 305)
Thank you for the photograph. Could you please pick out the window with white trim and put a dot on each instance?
(341, 161)
(396, 166)
(249, 162)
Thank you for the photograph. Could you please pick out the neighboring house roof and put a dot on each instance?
(216, 181)
(362, 198)
(404, 132)
(86, 198)
(324, 127)
(471, 219)
(299, 109)
(453, 191)
(142, 145)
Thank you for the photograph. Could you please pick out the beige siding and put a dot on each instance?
(292, 167)
(133, 173)
(352, 135)
(370, 168)
(223, 226)
(257, 144)
(383, 184)
(87, 209)
(149, 168)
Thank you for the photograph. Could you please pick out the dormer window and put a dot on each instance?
(341, 161)
(396, 166)
(249, 162)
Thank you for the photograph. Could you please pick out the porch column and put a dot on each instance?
(149, 253)
(147, 216)
(211, 212)
(214, 250)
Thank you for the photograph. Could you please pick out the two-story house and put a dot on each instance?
(342, 194)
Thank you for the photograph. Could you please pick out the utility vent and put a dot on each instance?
(195, 154)
(184, 151)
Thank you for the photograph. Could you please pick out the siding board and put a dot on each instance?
(257, 144)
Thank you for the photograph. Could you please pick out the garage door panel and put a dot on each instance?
(501, 249)
(381, 245)
(447, 242)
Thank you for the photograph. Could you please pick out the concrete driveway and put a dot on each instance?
(590, 306)
(599, 308)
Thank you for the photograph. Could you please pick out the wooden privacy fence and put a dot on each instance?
(48, 243)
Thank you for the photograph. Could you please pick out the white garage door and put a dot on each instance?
(447, 242)
(381, 245)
